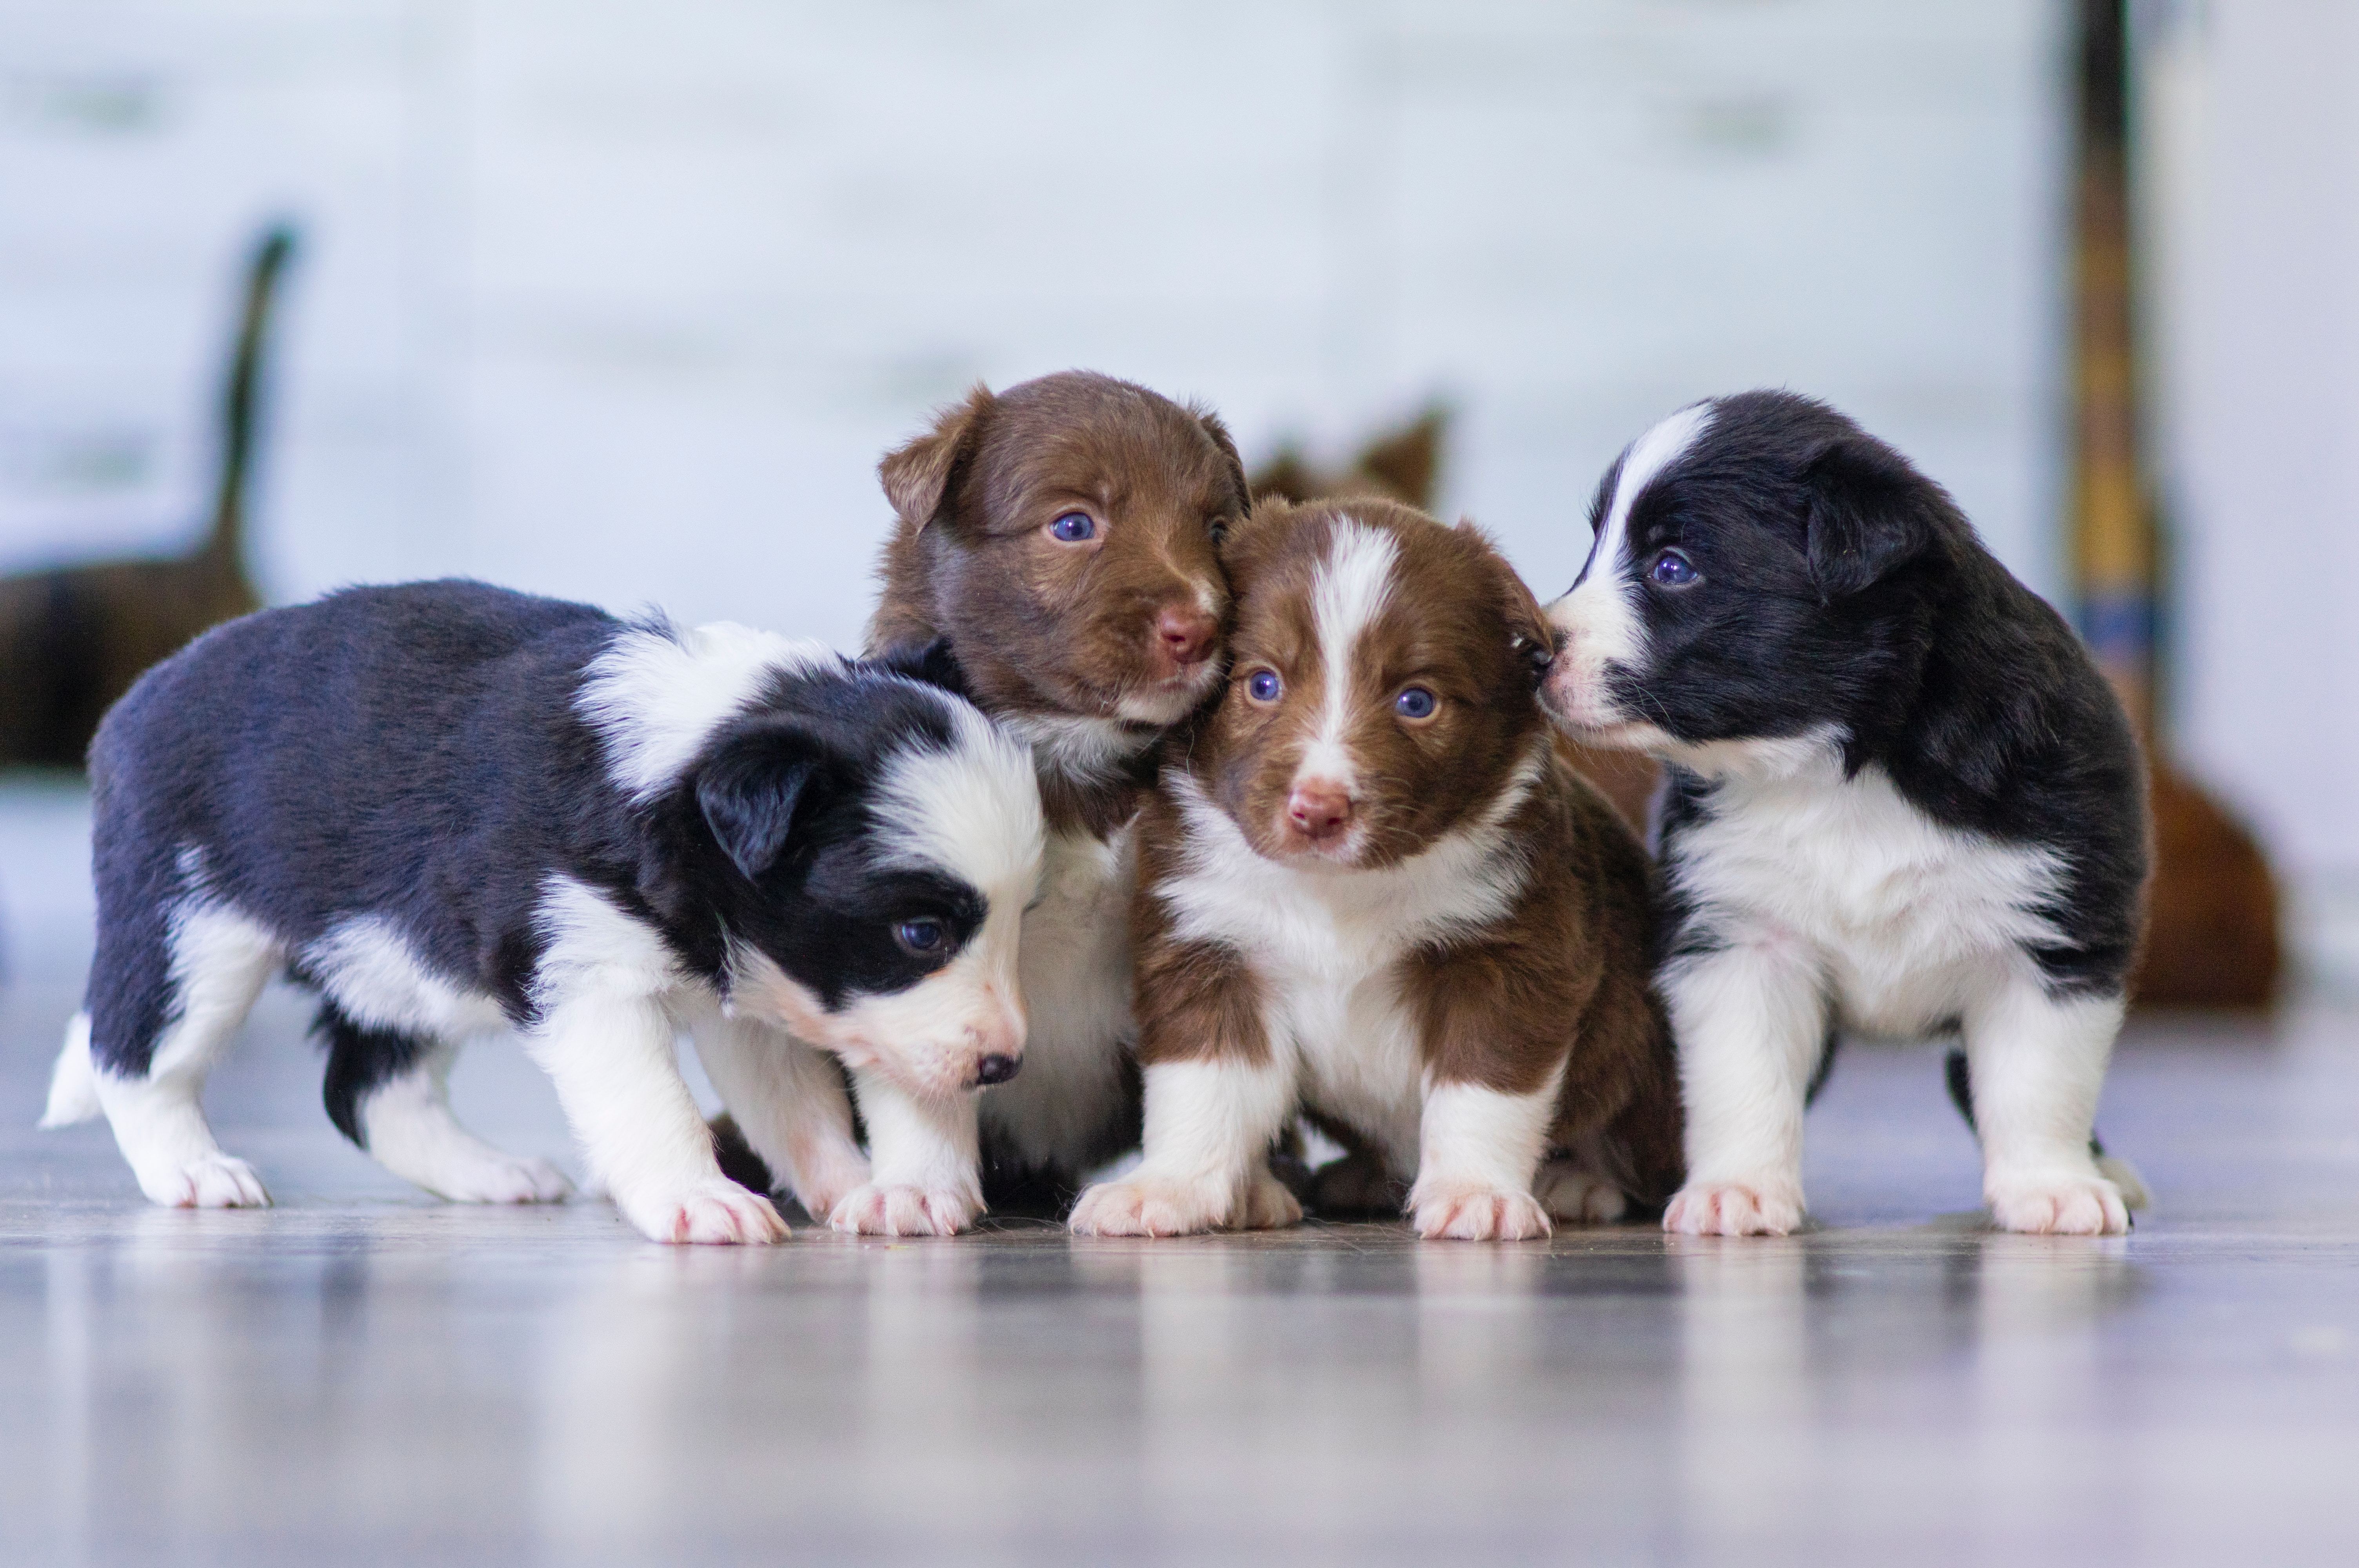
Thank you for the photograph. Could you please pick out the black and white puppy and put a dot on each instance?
(451, 809)
(1900, 799)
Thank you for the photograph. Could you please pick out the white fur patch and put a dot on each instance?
(1074, 963)
(973, 810)
(1905, 920)
(595, 949)
(1076, 746)
(1600, 616)
(1326, 942)
(372, 972)
(1353, 584)
(654, 700)
(73, 1082)
(1484, 1139)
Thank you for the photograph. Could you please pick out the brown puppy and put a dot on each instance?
(1059, 541)
(1371, 889)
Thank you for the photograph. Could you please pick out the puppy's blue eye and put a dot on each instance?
(1671, 569)
(1415, 702)
(1263, 686)
(1074, 526)
(924, 937)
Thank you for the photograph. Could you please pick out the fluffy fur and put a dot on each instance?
(1370, 889)
(1901, 799)
(448, 808)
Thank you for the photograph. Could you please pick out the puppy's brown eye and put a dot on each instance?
(1264, 687)
(1218, 529)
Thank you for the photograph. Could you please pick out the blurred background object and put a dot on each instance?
(621, 302)
(73, 639)
(2211, 923)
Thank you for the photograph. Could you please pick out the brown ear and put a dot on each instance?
(917, 476)
(1529, 634)
(1218, 429)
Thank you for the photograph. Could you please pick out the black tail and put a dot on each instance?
(226, 539)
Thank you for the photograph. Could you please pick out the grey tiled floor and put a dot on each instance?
(360, 1375)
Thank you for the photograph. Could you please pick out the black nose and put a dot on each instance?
(995, 1069)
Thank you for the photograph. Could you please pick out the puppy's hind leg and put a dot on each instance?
(389, 1093)
(2039, 1062)
(152, 1046)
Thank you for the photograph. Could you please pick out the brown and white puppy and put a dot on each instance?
(1369, 888)
(1059, 541)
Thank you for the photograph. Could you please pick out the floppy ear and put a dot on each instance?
(1530, 638)
(1216, 428)
(1869, 513)
(750, 791)
(918, 475)
(931, 662)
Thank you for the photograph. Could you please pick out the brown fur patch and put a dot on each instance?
(1046, 628)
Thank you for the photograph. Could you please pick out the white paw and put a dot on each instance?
(1728, 1208)
(1456, 1212)
(1267, 1205)
(716, 1211)
(207, 1181)
(1577, 1197)
(2057, 1205)
(878, 1210)
(822, 1191)
(1149, 1208)
(504, 1179)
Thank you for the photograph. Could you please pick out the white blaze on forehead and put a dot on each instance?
(1600, 616)
(972, 809)
(656, 698)
(1349, 593)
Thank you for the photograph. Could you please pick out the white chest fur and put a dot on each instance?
(1905, 917)
(1327, 948)
(1074, 963)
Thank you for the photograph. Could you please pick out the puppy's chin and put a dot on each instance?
(1167, 702)
(1619, 735)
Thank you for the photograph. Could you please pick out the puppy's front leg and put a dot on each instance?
(616, 1075)
(1750, 1022)
(789, 1100)
(1477, 1149)
(2039, 1062)
(926, 1161)
(1209, 1121)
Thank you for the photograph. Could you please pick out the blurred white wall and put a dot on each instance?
(2252, 113)
(623, 301)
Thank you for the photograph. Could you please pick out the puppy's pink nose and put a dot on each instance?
(1186, 633)
(1319, 809)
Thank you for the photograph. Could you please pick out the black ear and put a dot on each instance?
(1870, 512)
(750, 792)
(931, 662)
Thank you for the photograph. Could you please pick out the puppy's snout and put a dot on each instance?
(996, 1068)
(1319, 809)
(1185, 633)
